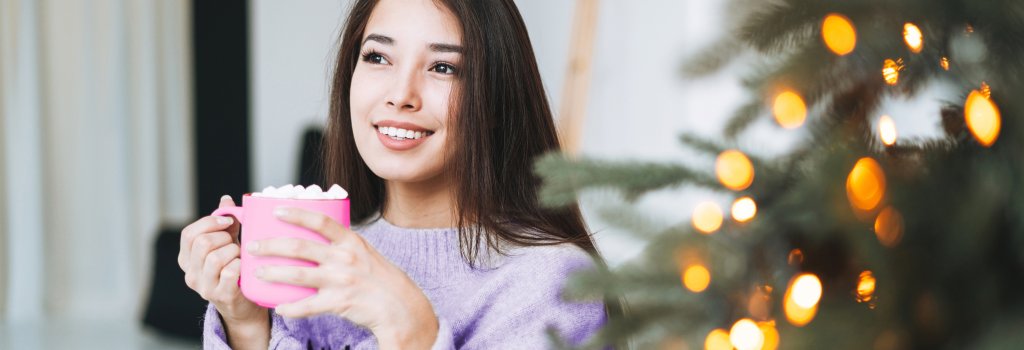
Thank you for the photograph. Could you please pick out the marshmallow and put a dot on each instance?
(298, 192)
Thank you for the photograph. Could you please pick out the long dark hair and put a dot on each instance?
(499, 91)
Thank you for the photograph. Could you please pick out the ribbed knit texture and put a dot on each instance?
(506, 304)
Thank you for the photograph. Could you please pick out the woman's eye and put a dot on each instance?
(375, 58)
(444, 68)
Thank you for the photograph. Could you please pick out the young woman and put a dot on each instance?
(437, 113)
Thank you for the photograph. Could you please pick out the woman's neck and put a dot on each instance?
(419, 205)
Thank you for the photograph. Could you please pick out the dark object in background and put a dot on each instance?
(311, 164)
(173, 309)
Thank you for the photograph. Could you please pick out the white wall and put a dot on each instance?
(638, 101)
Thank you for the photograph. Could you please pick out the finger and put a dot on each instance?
(295, 248)
(201, 247)
(201, 226)
(233, 229)
(316, 221)
(228, 284)
(310, 306)
(215, 262)
(302, 276)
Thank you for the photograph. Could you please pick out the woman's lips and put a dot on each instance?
(400, 143)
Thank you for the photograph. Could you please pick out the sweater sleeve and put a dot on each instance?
(214, 337)
(530, 301)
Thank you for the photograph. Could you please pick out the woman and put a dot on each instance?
(437, 112)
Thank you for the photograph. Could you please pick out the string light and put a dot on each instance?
(806, 290)
(912, 35)
(887, 130)
(865, 286)
(865, 187)
(744, 209)
(707, 217)
(696, 278)
(796, 257)
(789, 109)
(797, 314)
(889, 227)
(986, 90)
(891, 71)
(717, 339)
(944, 63)
(734, 170)
(839, 35)
(746, 335)
(771, 335)
(982, 117)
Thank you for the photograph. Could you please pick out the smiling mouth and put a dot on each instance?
(402, 134)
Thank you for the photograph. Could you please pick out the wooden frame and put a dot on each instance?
(577, 77)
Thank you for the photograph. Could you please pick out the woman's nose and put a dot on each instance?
(404, 92)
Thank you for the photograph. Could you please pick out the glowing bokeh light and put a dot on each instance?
(889, 227)
(734, 170)
(982, 117)
(865, 187)
(707, 217)
(696, 278)
(865, 286)
(806, 290)
(789, 109)
(887, 130)
(891, 71)
(771, 335)
(944, 63)
(744, 209)
(913, 37)
(839, 35)
(746, 335)
(718, 339)
(796, 257)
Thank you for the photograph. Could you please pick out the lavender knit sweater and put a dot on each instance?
(507, 304)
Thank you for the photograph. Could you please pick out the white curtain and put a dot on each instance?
(96, 109)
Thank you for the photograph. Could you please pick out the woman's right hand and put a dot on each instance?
(209, 255)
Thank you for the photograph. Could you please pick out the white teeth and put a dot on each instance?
(401, 134)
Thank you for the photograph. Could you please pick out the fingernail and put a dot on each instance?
(281, 212)
(225, 198)
(252, 247)
(224, 220)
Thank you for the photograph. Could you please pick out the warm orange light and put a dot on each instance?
(707, 217)
(734, 170)
(696, 278)
(801, 292)
(982, 118)
(718, 339)
(912, 35)
(865, 286)
(771, 335)
(865, 187)
(986, 90)
(889, 227)
(887, 130)
(891, 71)
(796, 257)
(759, 303)
(805, 290)
(744, 209)
(789, 109)
(944, 63)
(838, 33)
(746, 335)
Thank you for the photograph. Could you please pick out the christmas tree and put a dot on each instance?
(855, 238)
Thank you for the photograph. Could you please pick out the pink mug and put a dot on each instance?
(258, 223)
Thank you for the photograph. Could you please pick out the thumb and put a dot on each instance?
(226, 201)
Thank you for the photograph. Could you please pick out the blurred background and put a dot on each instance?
(123, 120)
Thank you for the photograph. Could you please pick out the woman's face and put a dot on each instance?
(401, 89)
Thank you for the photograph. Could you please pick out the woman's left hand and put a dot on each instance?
(354, 282)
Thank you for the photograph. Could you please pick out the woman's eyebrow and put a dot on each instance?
(436, 47)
